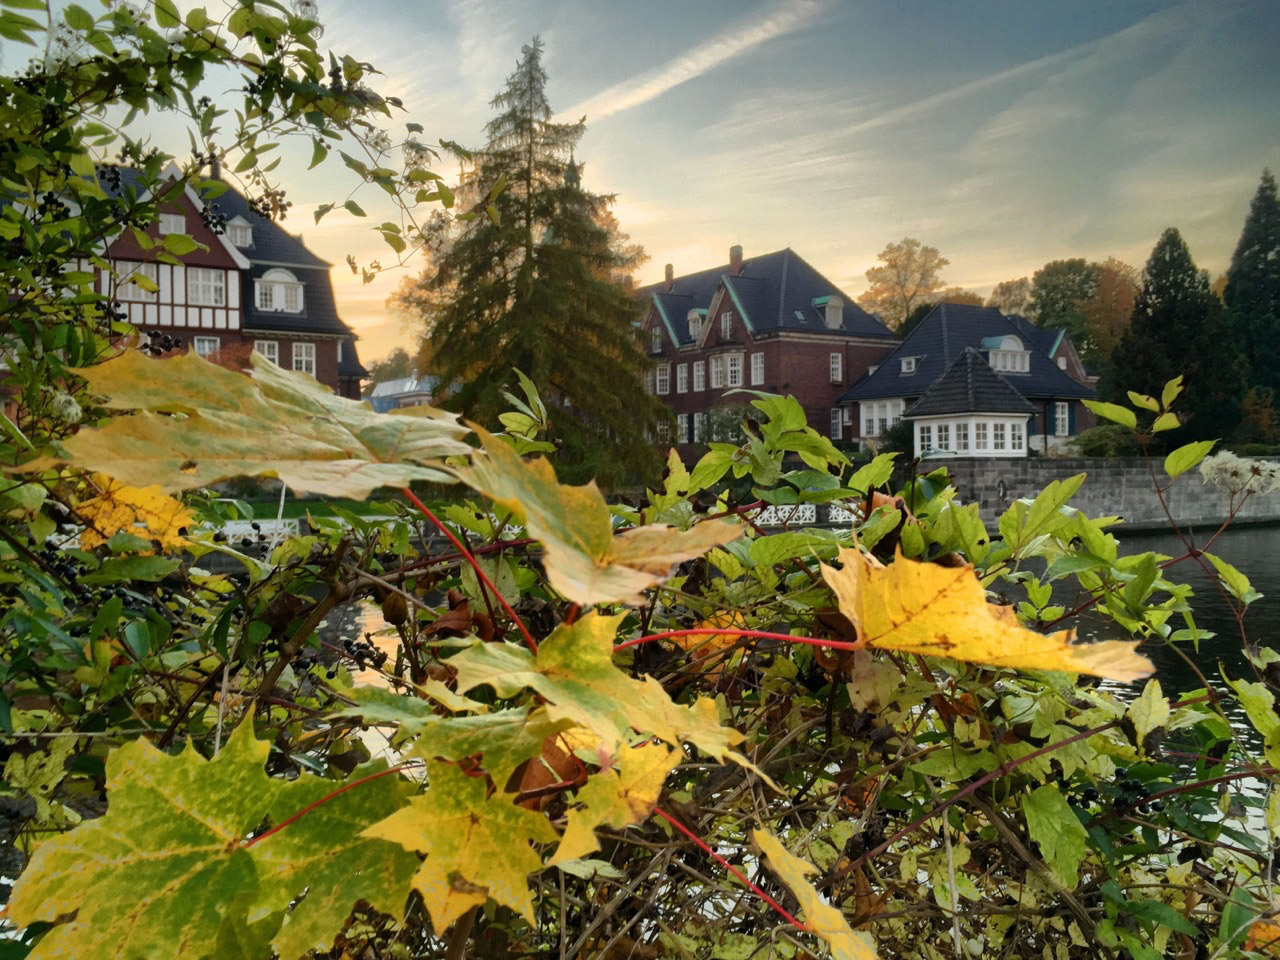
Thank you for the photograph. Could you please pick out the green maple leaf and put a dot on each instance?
(157, 874)
(504, 739)
(324, 854)
(616, 799)
(477, 846)
(583, 558)
(574, 671)
(379, 705)
(276, 423)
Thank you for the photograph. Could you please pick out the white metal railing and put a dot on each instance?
(788, 514)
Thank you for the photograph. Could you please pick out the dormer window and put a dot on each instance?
(655, 340)
(909, 364)
(240, 233)
(173, 223)
(279, 291)
(695, 323)
(1007, 354)
(726, 325)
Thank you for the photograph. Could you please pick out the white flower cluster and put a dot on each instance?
(1237, 475)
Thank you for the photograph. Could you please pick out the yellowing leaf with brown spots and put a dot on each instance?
(196, 423)
(820, 918)
(937, 611)
(617, 798)
(476, 846)
(583, 557)
(709, 651)
(121, 507)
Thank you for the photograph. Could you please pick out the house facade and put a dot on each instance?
(250, 285)
(402, 392)
(769, 323)
(1036, 375)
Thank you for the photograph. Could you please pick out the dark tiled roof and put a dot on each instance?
(271, 242)
(969, 385)
(350, 365)
(942, 336)
(319, 312)
(774, 291)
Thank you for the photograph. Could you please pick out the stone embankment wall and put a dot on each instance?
(1121, 487)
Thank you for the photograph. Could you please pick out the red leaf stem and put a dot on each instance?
(702, 845)
(326, 798)
(466, 555)
(735, 632)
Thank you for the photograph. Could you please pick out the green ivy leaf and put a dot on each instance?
(1113, 411)
(1184, 458)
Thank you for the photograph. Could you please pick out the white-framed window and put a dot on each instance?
(126, 289)
(997, 436)
(837, 424)
(240, 233)
(757, 369)
(682, 378)
(664, 378)
(655, 340)
(733, 364)
(682, 428)
(206, 287)
(205, 346)
(304, 358)
(664, 430)
(1061, 418)
(269, 349)
(909, 364)
(699, 375)
(944, 436)
(695, 326)
(980, 436)
(172, 223)
(278, 291)
(879, 417)
(1062, 363)
(699, 427)
(962, 436)
(648, 381)
(726, 325)
(837, 367)
(717, 373)
(1015, 436)
(926, 438)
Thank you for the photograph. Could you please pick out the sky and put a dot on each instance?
(1006, 133)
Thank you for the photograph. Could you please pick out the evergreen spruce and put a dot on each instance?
(537, 283)
(1252, 294)
(1179, 327)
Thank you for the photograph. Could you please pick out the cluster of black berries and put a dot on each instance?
(363, 652)
(1127, 793)
(336, 85)
(213, 218)
(158, 343)
(271, 205)
(110, 176)
(52, 208)
(30, 82)
(204, 103)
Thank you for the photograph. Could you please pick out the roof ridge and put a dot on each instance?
(782, 284)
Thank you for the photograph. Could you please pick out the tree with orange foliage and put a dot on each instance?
(907, 278)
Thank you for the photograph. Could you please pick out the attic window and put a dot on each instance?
(240, 233)
(173, 223)
(655, 340)
(726, 325)
(909, 364)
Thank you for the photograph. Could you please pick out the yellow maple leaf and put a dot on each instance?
(584, 559)
(709, 652)
(937, 611)
(616, 799)
(820, 918)
(122, 507)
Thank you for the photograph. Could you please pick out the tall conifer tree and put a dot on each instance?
(1252, 294)
(1179, 327)
(537, 284)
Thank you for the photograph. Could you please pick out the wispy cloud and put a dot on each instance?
(779, 19)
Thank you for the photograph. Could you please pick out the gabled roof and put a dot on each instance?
(131, 180)
(969, 385)
(272, 243)
(942, 336)
(774, 292)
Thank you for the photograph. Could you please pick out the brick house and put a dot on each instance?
(255, 287)
(1040, 366)
(770, 323)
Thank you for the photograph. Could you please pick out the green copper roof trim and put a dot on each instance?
(725, 278)
(1057, 343)
(666, 321)
(821, 301)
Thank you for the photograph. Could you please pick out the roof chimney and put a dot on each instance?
(735, 259)
(671, 277)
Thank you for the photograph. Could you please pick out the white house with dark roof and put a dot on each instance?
(1039, 366)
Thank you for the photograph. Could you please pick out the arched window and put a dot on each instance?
(279, 291)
